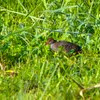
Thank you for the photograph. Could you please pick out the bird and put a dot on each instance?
(68, 46)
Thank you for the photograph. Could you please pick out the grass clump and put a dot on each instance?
(29, 69)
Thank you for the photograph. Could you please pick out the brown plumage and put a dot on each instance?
(68, 46)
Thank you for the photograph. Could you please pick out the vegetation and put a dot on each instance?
(29, 69)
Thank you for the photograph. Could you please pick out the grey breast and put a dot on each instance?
(55, 46)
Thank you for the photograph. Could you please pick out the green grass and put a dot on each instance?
(29, 69)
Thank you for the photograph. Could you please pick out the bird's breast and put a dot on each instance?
(54, 47)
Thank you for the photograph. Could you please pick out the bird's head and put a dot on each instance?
(50, 41)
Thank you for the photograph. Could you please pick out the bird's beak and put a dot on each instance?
(46, 43)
